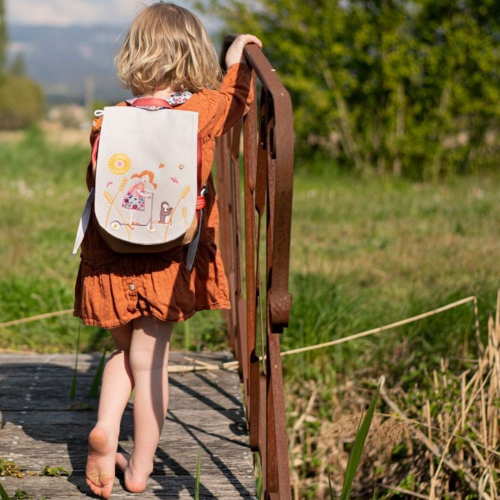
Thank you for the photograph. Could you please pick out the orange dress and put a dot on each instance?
(113, 288)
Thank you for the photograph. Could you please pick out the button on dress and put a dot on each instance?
(113, 288)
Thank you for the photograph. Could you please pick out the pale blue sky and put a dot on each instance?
(78, 12)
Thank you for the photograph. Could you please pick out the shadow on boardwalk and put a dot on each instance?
(41, 425)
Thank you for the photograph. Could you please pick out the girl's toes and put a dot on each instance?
(100, 469)
(106, 490)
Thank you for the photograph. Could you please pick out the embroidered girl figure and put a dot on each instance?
(135, 199)
(167, 54)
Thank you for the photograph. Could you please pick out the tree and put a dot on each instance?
(18, 65)
(386, 85)
(21, 99)
(21, 102)
(3, 35)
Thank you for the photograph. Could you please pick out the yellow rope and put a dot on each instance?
(36, 318)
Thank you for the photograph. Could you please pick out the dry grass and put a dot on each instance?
(439, 440)
(55, 134)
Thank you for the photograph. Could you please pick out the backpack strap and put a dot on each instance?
(200, 205)
(151, 101)
(84, 221)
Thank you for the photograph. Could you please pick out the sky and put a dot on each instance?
(78, 12)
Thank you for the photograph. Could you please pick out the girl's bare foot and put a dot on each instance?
(135, 477)
(122, 460)
(100, 470)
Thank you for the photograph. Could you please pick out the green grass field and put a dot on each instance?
(365, 253)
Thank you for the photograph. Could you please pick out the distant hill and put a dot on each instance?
(60, 59)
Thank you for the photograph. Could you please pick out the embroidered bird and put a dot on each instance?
(180, 166)
(109, 183)
(162, 165)
(174, 179)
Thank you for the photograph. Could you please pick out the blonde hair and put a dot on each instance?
(167, 46)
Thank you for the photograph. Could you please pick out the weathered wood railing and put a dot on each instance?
(257, 317)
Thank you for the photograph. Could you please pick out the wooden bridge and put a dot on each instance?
(226, 414)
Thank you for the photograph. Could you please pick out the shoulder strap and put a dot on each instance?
(151, 101)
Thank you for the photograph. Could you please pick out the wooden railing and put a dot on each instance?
(258, 316)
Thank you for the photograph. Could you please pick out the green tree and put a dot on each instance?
(21, 102)
(3, 35)
(21, 99)
(18, 65)
(388, 85)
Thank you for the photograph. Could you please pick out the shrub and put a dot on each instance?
(21, 102)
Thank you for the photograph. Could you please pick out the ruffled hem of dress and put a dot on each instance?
(112, 293)
(185, 317)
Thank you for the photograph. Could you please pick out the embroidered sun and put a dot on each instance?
(119, 164)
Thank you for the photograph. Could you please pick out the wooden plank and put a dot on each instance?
(196, 390)
(205, 413)
(159, 487)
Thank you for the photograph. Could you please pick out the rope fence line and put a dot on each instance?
(231, 365)
(36, 318)
(473, 298)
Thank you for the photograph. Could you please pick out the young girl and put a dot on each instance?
(167, 54)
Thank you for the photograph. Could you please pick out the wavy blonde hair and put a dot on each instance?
(167, 46)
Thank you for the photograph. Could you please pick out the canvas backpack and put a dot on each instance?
(147, 195)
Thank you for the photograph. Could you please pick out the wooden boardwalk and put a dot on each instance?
(40, 425)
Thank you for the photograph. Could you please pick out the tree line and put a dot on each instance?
(385, 86)
(22, 102)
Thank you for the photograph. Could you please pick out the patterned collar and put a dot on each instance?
(174, 99)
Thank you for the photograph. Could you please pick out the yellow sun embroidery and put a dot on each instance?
(119, 164)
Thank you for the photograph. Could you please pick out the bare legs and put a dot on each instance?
(149, 363)
(140, 360)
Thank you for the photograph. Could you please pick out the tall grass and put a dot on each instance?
(364, 253)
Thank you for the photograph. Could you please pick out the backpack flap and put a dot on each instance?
(146, 178)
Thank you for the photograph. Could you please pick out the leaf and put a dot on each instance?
(94, 388)
(197, 480)
(330, 489)
(21, 495)
(359, 443)
(3, 494)
(75, 371)
(55, 471)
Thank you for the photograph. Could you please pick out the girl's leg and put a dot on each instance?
(117, 384)
(149, 364)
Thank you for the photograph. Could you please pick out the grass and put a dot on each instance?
(365, 253)
(369, 252)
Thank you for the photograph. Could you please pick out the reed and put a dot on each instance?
(197, 478)
(437, 440)
(96, 381)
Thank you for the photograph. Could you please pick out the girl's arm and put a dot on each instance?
(232, 101)
(234, 54)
